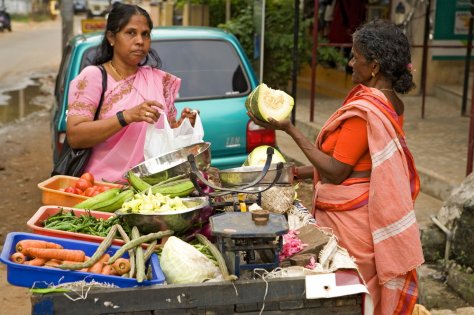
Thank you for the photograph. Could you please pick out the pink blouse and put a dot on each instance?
(111, 159)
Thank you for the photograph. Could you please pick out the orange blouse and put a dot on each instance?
(349, 144)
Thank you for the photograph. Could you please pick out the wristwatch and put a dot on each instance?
(121, 119)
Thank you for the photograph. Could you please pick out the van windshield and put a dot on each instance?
(207, 68)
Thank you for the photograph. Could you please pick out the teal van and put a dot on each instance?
(216, 78)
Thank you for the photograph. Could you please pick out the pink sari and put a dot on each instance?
(111, 159)
(375, 221)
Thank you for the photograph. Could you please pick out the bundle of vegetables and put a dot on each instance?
(42, 253)
(85, 223)
(135, 266)
(180, 186)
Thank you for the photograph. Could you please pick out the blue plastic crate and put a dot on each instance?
(40, 277)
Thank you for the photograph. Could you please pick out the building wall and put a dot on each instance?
(18, 6)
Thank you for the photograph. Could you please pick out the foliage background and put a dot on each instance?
(279, 27)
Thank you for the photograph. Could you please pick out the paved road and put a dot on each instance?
(30, 47)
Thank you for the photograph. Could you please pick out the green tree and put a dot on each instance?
(278, 47)
(279, 25)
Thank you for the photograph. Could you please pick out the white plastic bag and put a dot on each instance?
(161, 141)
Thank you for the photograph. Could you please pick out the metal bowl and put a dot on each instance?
(177, 221)
(173, 163)
(240, 176)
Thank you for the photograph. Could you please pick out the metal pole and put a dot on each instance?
(470, 142)
(67, 17)
(425, 58)
(294, 78)
(313, 60)
(467, 64)
(227, 11)
(262, 41)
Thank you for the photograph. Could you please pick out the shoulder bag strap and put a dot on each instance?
(104, 87)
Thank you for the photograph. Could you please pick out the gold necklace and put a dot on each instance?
(116, 71)
(388, 90)
(126, 81)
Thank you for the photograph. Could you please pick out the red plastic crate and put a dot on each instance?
(53, 196)
(35, 223)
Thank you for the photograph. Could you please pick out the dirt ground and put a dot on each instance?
(25, 161)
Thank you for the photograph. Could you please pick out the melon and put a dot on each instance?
(264, 102)
(258, 156)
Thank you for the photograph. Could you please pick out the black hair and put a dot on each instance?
(385, 42)
(118, 18)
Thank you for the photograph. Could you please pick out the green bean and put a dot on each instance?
(150, 250)
(140, 261)
(131, 252)
(98, 253)
(134, 243)
(217, 254)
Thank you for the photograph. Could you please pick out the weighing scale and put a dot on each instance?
(247, 242)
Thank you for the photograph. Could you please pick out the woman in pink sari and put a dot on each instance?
(364, 175)
(136, 95)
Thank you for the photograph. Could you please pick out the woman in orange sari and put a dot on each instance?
(364, 175)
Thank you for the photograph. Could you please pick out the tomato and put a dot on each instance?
(79, 192)
(103, 188)
(95, 193)
(89, 177)
(70, 190)
(89, 191)
(83, 184)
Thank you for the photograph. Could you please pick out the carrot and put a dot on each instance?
(24, 244)
(108, 270)
(121, 266)
(60, 254)
(97, 266)
(18, 257)
(36, 262)
(51, 262)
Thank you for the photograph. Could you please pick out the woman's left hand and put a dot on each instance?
(190, 114)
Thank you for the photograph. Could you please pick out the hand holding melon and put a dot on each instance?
(265, 103)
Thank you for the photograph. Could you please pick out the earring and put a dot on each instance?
(373, 74)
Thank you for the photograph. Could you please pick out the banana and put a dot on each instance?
(103, 196)
(137, 183)
(116, 202)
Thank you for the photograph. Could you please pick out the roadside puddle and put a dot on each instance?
(17, 104)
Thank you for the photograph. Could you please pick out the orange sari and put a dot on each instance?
(375, 220)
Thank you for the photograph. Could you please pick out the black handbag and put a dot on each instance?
(73, 161)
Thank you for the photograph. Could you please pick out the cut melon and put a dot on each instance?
(265, 102)
(258, 156)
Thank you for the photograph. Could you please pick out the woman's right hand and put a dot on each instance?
(272, 124)
(148, 111)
